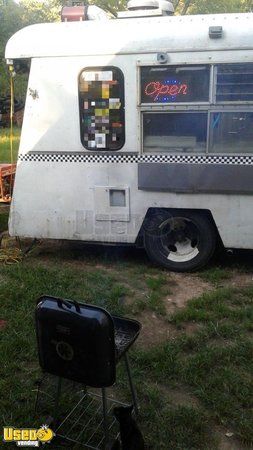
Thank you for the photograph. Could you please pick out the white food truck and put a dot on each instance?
(138, 130)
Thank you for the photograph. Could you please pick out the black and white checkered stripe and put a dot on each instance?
(135, 158)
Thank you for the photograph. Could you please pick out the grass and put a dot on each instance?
(3, 221)
(210, 366)
(5, 155)
(21, 286)
(216, 275)
(216, 361)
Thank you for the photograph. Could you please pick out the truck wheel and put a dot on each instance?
(180, 241)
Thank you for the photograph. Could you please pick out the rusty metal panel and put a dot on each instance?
(7, 175)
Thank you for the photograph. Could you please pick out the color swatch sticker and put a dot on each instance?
(101, 94)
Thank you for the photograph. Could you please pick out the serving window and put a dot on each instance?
(231, 132)
(101, 104)
(197, 108)
(175, 131)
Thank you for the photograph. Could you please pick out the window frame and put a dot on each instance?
(122, 108)
(177, 152)
(227, 111)
(229, 102)
(207, 102)
(210, 107)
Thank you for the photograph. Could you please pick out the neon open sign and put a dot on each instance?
(164, 91)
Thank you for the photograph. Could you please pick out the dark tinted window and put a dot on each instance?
(101, 97)
(231, 132)
(234, 82)
(174, 84)
(179, 131)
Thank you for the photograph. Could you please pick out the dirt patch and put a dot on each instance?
(155, 330)
(239, 280)
(185, 287)
(228, 442)
(178, 396)
(191, 328)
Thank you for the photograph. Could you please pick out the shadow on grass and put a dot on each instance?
(219, 267)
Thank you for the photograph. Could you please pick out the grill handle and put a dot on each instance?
(61, 302)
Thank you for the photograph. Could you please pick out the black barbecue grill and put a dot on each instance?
(83, 343)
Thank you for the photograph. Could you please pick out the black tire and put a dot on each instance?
(179, 241)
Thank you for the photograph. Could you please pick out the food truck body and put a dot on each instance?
(138, 131)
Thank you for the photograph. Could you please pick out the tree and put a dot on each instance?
(14, 16)
(212, 7)
(33, 11)
(10, 22)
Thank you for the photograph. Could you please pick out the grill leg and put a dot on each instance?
(134, 397)
(37, 399)
(105, 418)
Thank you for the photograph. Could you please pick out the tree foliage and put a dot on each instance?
(212, 7)
(33, 11)
(14, 16)
(10, 21)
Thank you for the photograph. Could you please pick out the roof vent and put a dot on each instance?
(145, 8)
(137, 5)
(167, 7)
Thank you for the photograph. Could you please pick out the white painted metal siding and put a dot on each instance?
(168, 34)
(56, 199)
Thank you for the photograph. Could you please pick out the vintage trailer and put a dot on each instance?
(138, 130)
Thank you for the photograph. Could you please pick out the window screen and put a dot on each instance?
(234, 82)
(231, 132)
(174, 84)
(172, 132)
(101, 96)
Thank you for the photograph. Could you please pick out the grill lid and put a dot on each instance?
(76, 341)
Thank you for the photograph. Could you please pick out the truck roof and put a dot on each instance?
(132, 36)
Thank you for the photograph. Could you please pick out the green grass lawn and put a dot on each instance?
(3, 219)
(5, 155)
(193, 387)
(190, 385)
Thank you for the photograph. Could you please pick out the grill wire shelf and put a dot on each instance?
(78, 418)
(84, 424)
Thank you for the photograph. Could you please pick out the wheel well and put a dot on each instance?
(152, 211)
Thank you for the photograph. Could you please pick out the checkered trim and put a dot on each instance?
(135, 158)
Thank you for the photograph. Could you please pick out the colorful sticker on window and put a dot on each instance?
(101, 93)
